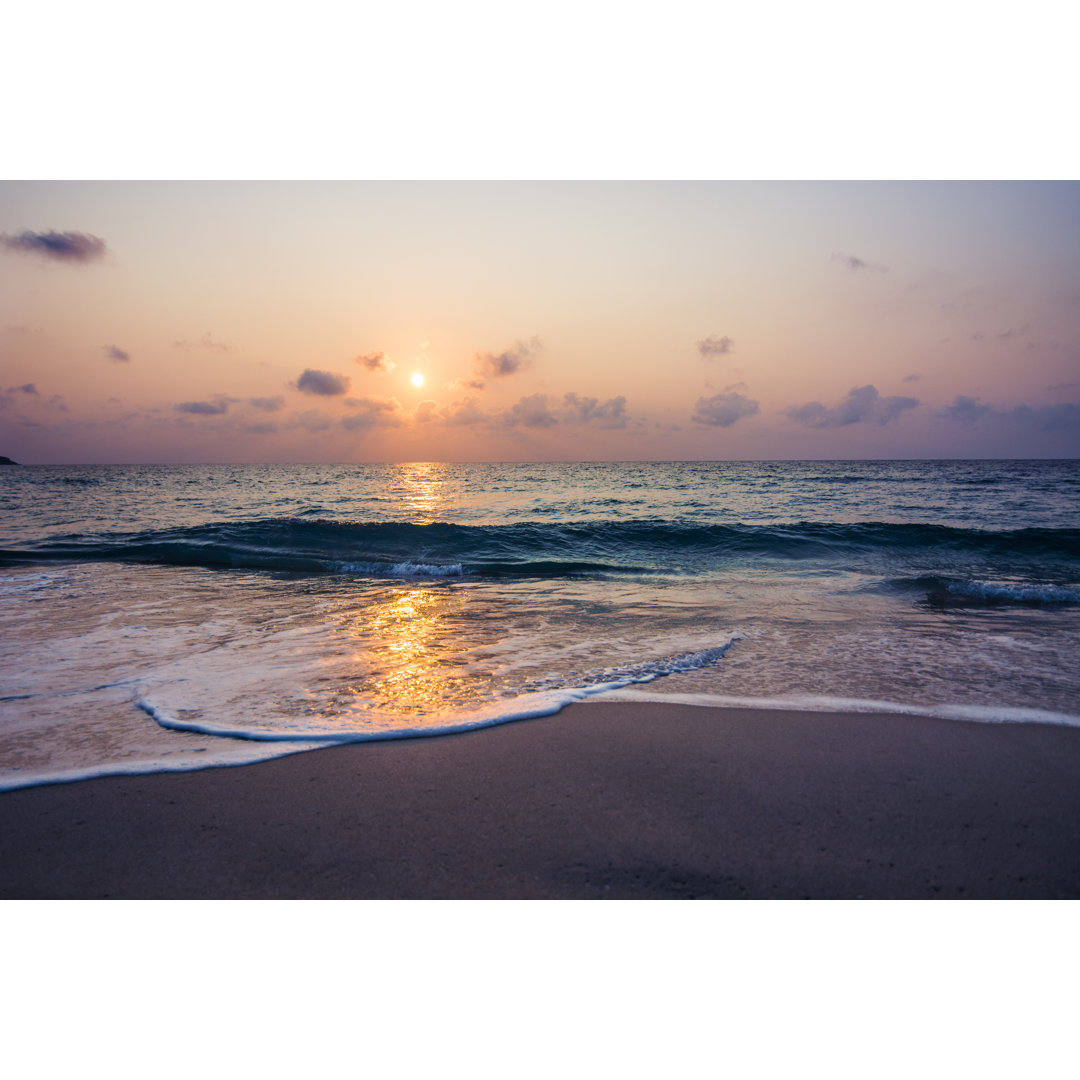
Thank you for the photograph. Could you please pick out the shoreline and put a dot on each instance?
(606, 799)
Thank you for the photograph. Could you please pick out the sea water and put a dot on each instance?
(176, 617)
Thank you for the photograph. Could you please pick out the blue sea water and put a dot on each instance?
(175, 617)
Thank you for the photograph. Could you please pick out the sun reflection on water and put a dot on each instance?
(408, 649)
(419, 486)
(412, 654)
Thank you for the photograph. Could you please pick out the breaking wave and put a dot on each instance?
(546, 549)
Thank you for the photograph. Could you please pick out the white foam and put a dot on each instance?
(358, 723)
(1004, 590)
(411, 569)
(981, 714)
(252, 753)
(401, 569)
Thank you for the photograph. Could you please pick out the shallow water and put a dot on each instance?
(179, 616)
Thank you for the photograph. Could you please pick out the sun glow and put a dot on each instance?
(417, 379)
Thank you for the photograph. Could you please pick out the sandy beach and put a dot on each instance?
(605, 800)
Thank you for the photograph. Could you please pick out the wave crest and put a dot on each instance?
(538, 549)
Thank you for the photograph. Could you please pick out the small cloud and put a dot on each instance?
(508, 362)
(203, 408)
(260, 427)
(1064, 386)
(855, 264)
(72, 247)
(116, 354)
(590, 410)
(323, 383)
(723, 409)
(464, 413)
(426, 412)
(373, 412)
(712, 347)
(861, 404)
(1012, 332)
(26, 388)
(312, 420)
(530, 412)
(375, 361)
(1004, 336)
(965, 409)
(267, 404)
(205, 342)
(911, 378)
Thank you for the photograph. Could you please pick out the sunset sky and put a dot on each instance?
(244, 322)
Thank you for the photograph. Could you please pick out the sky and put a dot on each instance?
(256, 321)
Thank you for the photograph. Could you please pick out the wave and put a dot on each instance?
(534, 702)
(973, 592)
(540, 549)
(820, 703)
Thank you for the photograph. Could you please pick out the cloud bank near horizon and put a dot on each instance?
(862, 404)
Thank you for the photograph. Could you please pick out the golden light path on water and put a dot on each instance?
(408, 642)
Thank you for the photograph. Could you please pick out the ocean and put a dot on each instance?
(173, 617)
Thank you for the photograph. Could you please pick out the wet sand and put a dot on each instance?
(606, 800)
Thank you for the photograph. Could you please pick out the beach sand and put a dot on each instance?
(612, 800)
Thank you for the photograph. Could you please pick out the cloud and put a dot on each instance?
(1063, 416)
(205, 342)
(375, 361)
(965, 409)
(855, 264)
(260, 427)
(373, 412)
(714, 346)
(508, 362)
(724, 409)
(861, 404)
(1012, 332)
(73, 247)
(590, 410)
(530, 412)
(116, 354)
(537, 411)
(267, 404)
(911, 378)
(1005, 335)
(324, 383)
(311, 420)
(203, 408)
(426, 412)
(534, 411)
(26, 388)
(463, 413)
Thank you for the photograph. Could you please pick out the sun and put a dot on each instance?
(417, 379)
